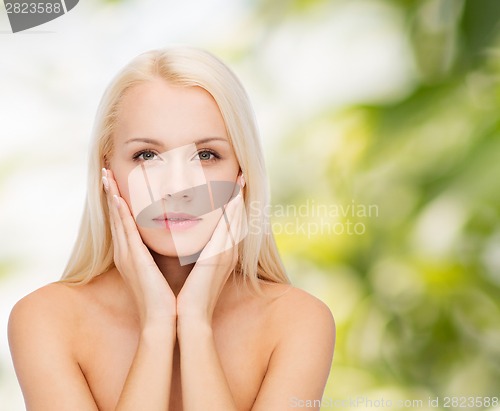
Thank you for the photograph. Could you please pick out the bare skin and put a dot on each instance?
(100, 325)
(153, 334)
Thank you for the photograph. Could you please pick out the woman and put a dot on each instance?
(174, 298)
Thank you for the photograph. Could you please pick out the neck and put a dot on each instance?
(171, 268)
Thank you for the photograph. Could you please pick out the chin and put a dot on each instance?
(182, 246)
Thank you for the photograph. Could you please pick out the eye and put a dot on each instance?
(207, 155)
(145, 155)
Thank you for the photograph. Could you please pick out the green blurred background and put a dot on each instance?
(380, 126)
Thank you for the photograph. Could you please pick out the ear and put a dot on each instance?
(106, 162)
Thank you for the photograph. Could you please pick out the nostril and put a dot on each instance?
(181, 194)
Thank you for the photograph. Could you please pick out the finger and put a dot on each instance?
(236, 213)
(123, 211)
(236, 190)
(112, 225)
(119, 239)
(129, 225)
(127, 229)
(223, 238)
(238, 223)
(105, 186)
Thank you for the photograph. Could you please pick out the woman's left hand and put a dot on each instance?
(198, 297)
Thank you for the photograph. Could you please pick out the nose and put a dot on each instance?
(185, 195)
(179, 179)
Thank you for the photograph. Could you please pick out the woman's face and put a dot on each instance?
(173, 164)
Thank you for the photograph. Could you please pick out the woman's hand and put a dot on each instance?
(153, 296)
(198, 297)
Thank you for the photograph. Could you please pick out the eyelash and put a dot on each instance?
(136, 156)
(215, 155)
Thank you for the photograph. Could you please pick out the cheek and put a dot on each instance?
(226, 172)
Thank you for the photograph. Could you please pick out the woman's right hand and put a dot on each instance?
(155, 300)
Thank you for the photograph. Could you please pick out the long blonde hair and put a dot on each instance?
(184, 66)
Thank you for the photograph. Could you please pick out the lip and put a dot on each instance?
(176, 221)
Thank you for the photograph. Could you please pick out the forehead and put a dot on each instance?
(173, 114)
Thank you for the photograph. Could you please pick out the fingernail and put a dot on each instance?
(104, 172)
(242, 181)
(117, 201)
(105, 183)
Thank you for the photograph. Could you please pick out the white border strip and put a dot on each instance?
(64, 6)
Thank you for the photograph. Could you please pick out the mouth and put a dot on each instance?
(176, 221)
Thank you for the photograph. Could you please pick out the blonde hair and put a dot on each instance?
(258, 256)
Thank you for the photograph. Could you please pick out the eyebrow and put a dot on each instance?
(159, 143)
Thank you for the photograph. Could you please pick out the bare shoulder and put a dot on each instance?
(295, 311)
(290, 301)
(52, 303)
(57, 308)
(43, 334)
(303, 331)
(49, 314)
